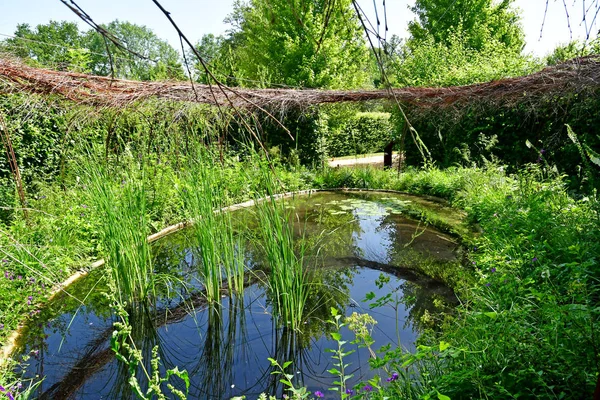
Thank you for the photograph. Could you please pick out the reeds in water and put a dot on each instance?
(219, 250)
(288, 279)
(123, 232)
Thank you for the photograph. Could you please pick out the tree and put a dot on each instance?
(307, 43)
(455, 63)
(476, 21)
(160, 60)
(217, 52)
(459, 42)
(55, 44)
(61, 45)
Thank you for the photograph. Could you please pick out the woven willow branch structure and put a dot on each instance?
(575, 76)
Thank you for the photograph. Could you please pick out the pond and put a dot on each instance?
(363, 251)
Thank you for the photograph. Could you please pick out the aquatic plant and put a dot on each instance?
(123, 343)
(288, 279)
(220, 252)
(123, 233)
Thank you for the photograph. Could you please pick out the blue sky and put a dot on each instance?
(197, 17)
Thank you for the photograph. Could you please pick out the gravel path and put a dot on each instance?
(358, 160)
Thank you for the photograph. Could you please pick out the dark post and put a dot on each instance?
(387, 155)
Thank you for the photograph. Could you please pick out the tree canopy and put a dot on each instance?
(315, 43)
(477, 21)
(61, 45)
(459, 42)
(55, 44)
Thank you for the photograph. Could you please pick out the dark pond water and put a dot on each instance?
(360, 240)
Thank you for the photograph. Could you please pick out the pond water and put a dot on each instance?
(364, 246)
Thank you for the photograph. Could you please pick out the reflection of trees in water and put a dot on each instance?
(423, 309)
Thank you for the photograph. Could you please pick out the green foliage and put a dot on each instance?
(297, 393)
(482, 134)
(62, 46)
(55, 44)
(36, 129)
(288, 276)
(315, 43)
(572, 50)
(339, 366)
(122, 206)
(458, 43)
(361, 133)
(161, 60)
(477, 21)
(526, 327)
(217, 52)
(126, 351)
(454, 62)
(220, 253)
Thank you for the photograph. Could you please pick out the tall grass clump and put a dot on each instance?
(122, 208)
(288, 279)
(220, 252)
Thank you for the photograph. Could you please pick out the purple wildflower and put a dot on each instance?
(488, 284)
(394, 377)
(349, 392)
(319, 394)
(2, 389)
(29, 299)
(542, 151)
(493, 270)
(4, 260)
(534, 259)
(368, 388)
(19, 277)
(10, 396)
(1, 326)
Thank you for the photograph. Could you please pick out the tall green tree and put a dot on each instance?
(61, 45)
(307, 43)
(55, 44)
(476, 21)
(460, 42)
(218, 53)
(160, 60)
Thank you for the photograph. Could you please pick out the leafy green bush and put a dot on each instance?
(435, 64)
(480, 134)
(362, 133)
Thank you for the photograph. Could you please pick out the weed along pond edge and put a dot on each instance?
(457, 228)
